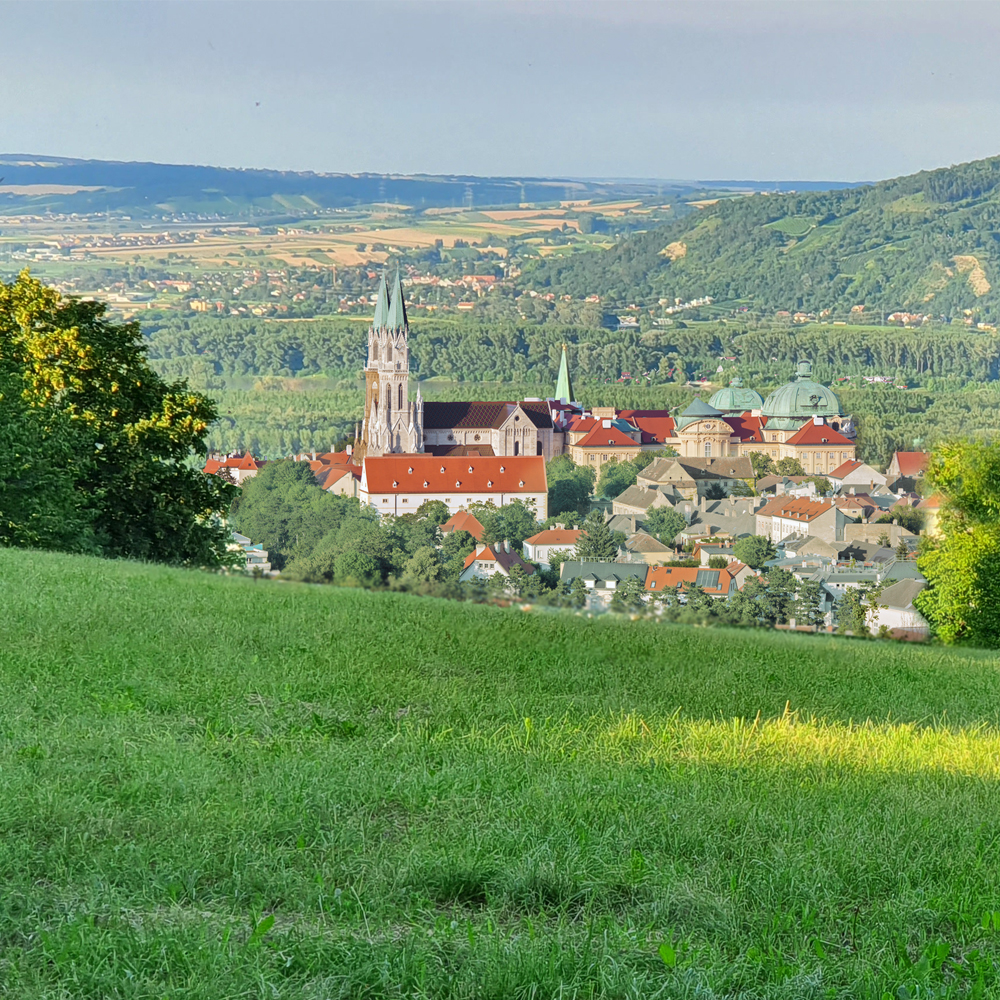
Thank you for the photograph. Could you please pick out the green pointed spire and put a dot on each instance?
(381, 305)
(397, 307)
(564, 392)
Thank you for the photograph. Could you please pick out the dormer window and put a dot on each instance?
(426, 484)
(489, 484)
(458, 482)
(470, 468)
(410, 470)
(394, 484)
(442, 468)
(501, 468)
(520, 483)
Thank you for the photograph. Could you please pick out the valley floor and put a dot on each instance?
(214, 788)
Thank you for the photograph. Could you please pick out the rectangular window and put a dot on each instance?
(405, 500)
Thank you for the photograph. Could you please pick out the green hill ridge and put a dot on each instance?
(216, 787)
(926, 243)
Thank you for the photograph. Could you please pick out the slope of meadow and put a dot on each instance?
(216, 788)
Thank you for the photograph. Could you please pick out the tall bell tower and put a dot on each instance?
(392, 424)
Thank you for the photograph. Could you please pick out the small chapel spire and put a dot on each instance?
(381, 304)
(564, 392)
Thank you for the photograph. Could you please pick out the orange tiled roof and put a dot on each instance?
(556, 536)
(795, 508)
(846, 468)
(912, 464)
(817, 434)
(659, 578)
(602, 437)
(472, 474)
(462, 520)
(487, 553)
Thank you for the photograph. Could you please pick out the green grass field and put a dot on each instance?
(215, 788)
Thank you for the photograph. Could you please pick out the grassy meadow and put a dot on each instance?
(216, 788)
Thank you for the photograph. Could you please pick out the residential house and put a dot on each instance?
(896, 611)
(906, 468)
(601, 578)
(462, 520)
(638, 501)
(715, 582)
(782, 516)
(239, 467)
(485, 560)
(689, 478)
(558, 538)
(643, 547)
(855, 473)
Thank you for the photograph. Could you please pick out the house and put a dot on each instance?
(638, 501)
(854, 472)
(255, 558)
(238, 467)
(557, 538)
(643, 547)
(931, 508)
(895, 611)
(905, 468)
(341, 480)
(689, 478)
(782, 516)
(463, 521)
(485, 560)
(399, 484)
(715, 582)
(492, 428)
(601, 578)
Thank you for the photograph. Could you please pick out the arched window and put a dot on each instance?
(708, 449)
(517, 447)
(400, 396)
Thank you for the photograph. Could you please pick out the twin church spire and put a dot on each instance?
(392, 424)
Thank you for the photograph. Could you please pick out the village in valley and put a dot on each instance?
(712, 498)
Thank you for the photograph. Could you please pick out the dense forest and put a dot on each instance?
(288, 387)
(926, 243)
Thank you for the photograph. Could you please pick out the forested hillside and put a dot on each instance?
(925, 243)
(250, 366)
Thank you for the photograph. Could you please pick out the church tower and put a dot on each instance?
(392, 424)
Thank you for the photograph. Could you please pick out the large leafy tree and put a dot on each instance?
(962, 598)
(664, 523)
(92, 406)
(754, 550)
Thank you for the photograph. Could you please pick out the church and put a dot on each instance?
(411, 451)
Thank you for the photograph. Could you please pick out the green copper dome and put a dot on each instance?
(736, 398)
(697, 409)
(789, 407)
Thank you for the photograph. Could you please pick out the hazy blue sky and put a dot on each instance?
(797, 90)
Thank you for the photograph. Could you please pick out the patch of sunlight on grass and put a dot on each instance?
(741, 743)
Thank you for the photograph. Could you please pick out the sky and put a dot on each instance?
(798, 90)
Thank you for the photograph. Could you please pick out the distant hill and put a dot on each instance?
(33, 183)
(924, 243)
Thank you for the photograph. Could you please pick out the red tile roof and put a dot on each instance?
(846, 468)
(486, 553)
(327, 475)
(243, 462)
(817, 434)
(556, 536)
(656, 426)
(747, 427)
(431, 474)
(795, 508)
(659, 578)
(912, 464)
(932, 502)
(602, 436)
(462, 520)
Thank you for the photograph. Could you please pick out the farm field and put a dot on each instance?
(218, 788)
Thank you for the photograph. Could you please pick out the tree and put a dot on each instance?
(557, 557)
(962, 598)
(435, 511)
(738, 488)
(823, 485)
(789, 467)
(513, 522)
(717, 562)
(809, 605)
(902, 550)
(616, 477)
(629, 594)
(715, 491)
(578, 593)
(598, 543)
(570, 485)
(763, 464)
(133, 432)
(851, 612)
(754, 550)
(664, 523)
(884, 540)
(454, 549)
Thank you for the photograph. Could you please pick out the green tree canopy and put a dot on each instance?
(87, 381)
(754, 550)
(664, 523)
(598, 543)
(962, 598)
